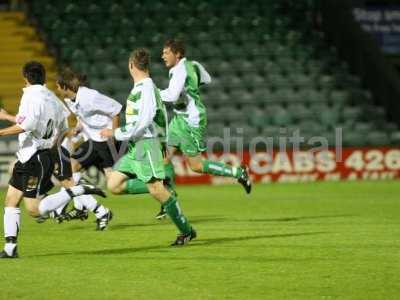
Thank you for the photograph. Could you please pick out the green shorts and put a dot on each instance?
(144, 160)
(188, 140)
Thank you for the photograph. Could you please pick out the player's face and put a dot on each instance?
(131, 67)
(170, 59)
(61, 91)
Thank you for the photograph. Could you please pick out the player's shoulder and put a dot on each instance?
(35, 95)
(143, 84)
(84, 93)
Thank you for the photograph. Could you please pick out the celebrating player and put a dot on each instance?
(40, 120)
(145, 114)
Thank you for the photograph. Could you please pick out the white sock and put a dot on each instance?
(87, 201)
(59, 210)
(12, 221)
(9, 248)
(77, 190)
(100, 211)
(77, 203)
(53, 201)
(76, 176)
(91, 203)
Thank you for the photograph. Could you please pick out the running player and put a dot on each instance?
(145, 114)
(38, 122)
(63, 173)
(94, 112)
(187, 128)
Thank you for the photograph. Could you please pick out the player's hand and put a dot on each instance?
(3, 114)
(107, 133)
(75, 131)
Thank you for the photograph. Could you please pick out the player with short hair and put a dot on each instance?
(38, 123)
(95, 111)
(145, 119)
(63, 173)
(188, 126)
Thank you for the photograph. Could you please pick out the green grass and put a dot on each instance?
(285, 241)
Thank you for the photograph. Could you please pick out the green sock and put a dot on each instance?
(136, 186)
(220, 169)
(174, 212)
(170, 173)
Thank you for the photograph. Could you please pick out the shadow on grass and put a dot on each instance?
(193, 220)
(195, 243)
(293, 219)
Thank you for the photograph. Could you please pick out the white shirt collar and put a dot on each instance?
(141, 81)
(34, 87)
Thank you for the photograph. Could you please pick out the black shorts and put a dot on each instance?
(98, 154)
(33, 177)
(62, 163)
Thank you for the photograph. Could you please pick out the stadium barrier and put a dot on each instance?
(304, 166)
(378, 163)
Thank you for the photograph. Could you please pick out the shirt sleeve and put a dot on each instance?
(175, 87)
(205, 77)
(107, 105)
(146, 113)
(28, 115)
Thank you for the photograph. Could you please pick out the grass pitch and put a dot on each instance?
(285, 241)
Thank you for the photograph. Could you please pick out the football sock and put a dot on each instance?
(100, 211)
(220, 169)
(77, 204)
(60, 209)
(170, 173)
(76, 177)
(174, 212)
(135, 186)
(54, 201)
(12, 221)
(90, 202)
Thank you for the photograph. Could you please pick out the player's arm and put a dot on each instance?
(204, 76)
(115, 122)
(175, 86)
(26, 119)
(4, 115)
(12, 130)
(135, 130)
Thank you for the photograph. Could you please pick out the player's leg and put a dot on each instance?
(173, 210)
(52, 202)
(12, 221)
(149, 167)
(170, 177)
(84, 156)
(119, 182)
(193, 145)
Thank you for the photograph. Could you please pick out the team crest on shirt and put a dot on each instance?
(32, 182)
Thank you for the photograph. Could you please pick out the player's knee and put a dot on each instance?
(33, 211)
(158, 191)
(196, 166)
(10, 201)
(114, 187)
